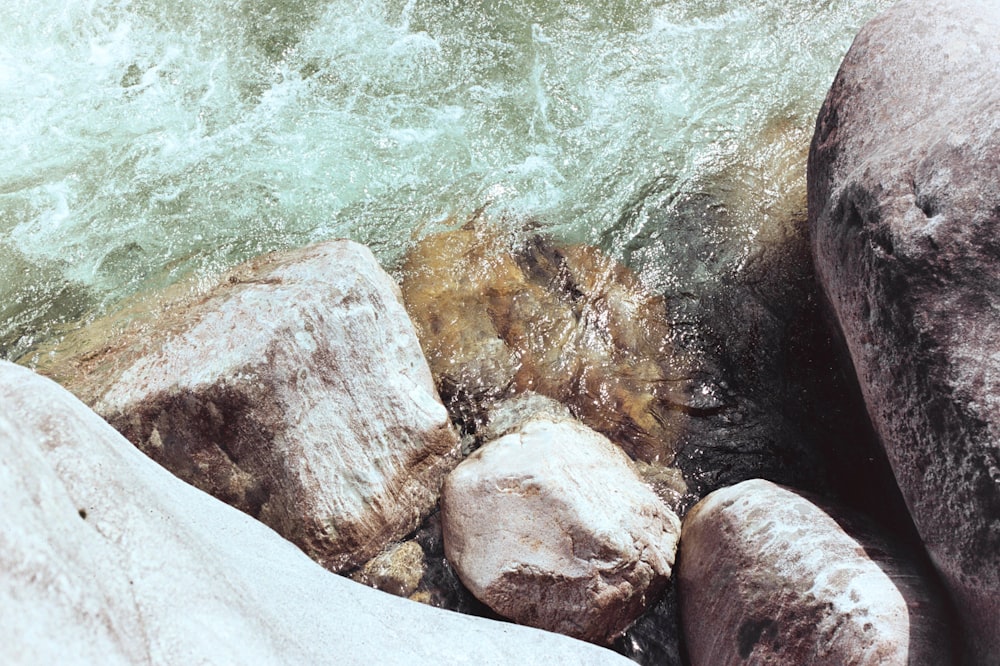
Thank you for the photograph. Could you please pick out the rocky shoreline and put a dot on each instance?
(523, 430)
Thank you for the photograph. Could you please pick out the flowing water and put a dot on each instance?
(145, 140)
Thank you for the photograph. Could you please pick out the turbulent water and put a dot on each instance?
(142, 140)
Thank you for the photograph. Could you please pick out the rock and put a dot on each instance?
(506, 416)
(904, 208)
(105, 557)
(397, 571)
(294, 390)
(550, 526)
(767, 576)
(498, 317)
(440, 586)
(669, 485)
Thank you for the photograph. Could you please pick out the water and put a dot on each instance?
(144, 140)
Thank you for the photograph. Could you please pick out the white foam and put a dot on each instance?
(182, 135)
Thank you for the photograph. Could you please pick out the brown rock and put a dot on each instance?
(497, 318)
(397, 571)
(295, 390)
(904, 207)
(551, 527)
(768, 577)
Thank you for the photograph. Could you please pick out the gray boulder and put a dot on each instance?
(551, 527)
(766, 576)
(107, 558)
(904, 208)
(295, 390)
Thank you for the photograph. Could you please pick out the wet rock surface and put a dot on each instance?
(656, 638)
(730, 375)
(107, 558)
(550, 526)
(768, 576)
(294, 390)
(498, 317)
(730, 256)
(904, 206)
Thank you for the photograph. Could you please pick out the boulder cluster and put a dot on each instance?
(107, 558)
(293, 426)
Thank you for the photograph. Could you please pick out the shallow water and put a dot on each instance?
(144, 140)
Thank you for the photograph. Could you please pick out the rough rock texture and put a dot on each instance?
(551, 527)
(766, 576)
(397, 571)
(106, 558)
(498, 317)
(904, 206)
(294, 390)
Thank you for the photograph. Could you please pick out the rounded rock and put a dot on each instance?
(550, 526)
(767, 576)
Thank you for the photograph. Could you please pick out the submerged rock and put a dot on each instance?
(107, 558)
(727, 246)
(498, 318)
(904, 206)
(294, 390)
(767, 576)
(727, 377)
(551, 527)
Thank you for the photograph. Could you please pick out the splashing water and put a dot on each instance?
(143, 140)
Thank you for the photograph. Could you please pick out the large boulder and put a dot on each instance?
(904, 207)
(295, 390)
(105, 557)
(767, 576)
(550, 526)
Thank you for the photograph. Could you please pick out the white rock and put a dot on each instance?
(768, 577)
(551, 527)
(106, 558)
(296, 391)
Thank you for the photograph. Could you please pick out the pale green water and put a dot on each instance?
(144, 139)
